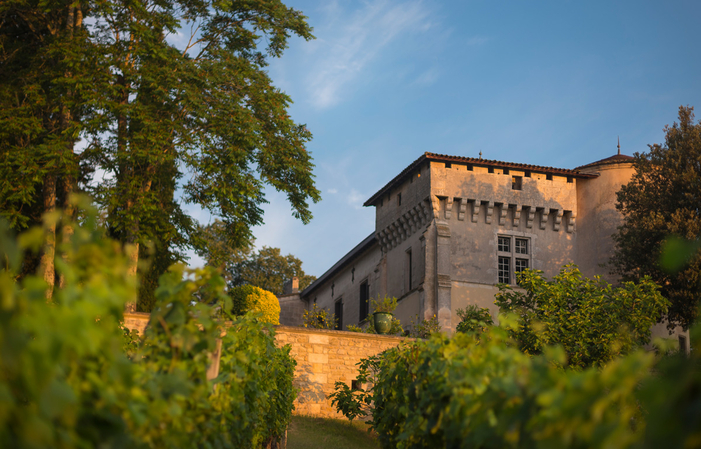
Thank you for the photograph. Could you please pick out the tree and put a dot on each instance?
(151, 109)
(207, 107)
(269, 269)
(44, 50)
(593, 321)
(219, 251)
(663, 199)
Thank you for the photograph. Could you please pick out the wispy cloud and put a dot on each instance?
(352, 42)
(477, 41)
(427, 78)
(356, 199)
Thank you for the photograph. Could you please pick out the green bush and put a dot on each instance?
(473, 319)
(386, 304)
(593, 321)
(318, 318)
(248, 298)
(72, 376)
(354, 403)
(481, 391)
(424, 328)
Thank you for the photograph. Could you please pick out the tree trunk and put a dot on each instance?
(124, 174)
(47, 258)
(74, 20)
(67, 229)
(132, 250)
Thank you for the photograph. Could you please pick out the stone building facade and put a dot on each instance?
(449, 228)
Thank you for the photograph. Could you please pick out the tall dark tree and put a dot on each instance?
(207, 108)
(663, 199)
(151, 109)
(44, 50)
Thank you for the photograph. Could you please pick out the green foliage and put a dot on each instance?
(268, 269)
(660, 201)
(241, 265)
(672, 399)
(354, 403)
(470, 391)
(44, 51)
(65, 380)
(385, 304)
(151, 109)
(219, 250)
(248, 298)
(207, 108)
(677, 253)
(348, 401)
(318, 318)
(474, 319)
(590, 319)
(72, 376)
(467, 392)
(425, 328)
(155, 258)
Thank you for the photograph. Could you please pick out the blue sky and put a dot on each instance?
(539, 82)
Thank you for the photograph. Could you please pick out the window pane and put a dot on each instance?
(504, 244)
(504, 270)
(339, 314)
(364, 300)
(521, 264)
(521, 246)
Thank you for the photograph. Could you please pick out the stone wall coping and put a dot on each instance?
(344, 334)
(304, 330)
(289, 295)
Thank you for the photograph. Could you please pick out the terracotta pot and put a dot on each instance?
(382, 322)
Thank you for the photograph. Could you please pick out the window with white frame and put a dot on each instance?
(513, 256)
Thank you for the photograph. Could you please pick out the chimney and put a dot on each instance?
(290, 286)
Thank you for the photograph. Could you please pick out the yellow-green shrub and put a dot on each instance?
(249, 298)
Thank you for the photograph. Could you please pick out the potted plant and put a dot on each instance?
(382, 314)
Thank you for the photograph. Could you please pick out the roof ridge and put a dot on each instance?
(475, 161)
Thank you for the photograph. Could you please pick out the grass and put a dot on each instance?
(306, 432)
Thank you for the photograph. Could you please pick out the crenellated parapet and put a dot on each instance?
(418, 217)
(491, 210)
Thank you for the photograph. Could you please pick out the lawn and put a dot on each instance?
(311, 433)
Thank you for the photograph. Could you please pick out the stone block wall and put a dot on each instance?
(323, 357)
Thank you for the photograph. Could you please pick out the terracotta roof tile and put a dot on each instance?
(615, 159)
(479, 163)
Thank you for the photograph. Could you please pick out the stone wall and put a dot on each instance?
(323, 357)
(136, 320)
